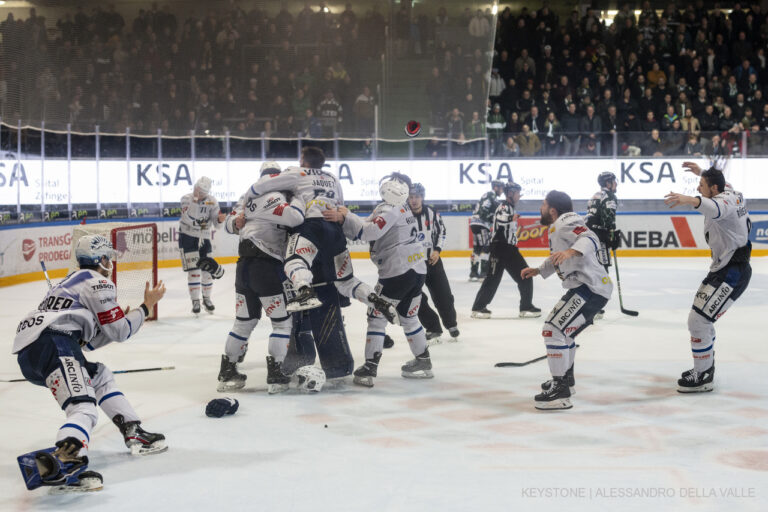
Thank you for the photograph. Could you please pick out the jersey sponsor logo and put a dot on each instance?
(54, 303)
(570, 330)
(579, 230)
(379, 221)
(415, 257)
(30, 322)
(343, 268)
(279, 209)
(556, 355)
(276, 303)
(102, 286)
(304, 250)
(546, 334)
(569, 310)
(415, 309)
(112, 315)
(724, 291)
(695, 340)
(73, 373)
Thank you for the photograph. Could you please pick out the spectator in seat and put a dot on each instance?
(693, 147)
(690, 124)
(590, 127)
(495, 128)
(650, 122)
(510, 148)
(434, 149)
(709, 120)
(571, 126)
(669, 118)
(529, 143)
(552, 135)
(515, 125)
(653, 145)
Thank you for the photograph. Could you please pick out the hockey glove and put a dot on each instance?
(615, 240)
(218, 407)
(211, 266)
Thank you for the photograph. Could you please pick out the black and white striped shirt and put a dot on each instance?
(431, 230)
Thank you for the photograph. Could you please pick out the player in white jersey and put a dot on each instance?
(261, 223)
(81, 313)
(199, 215)
(317, 249)
(400, 258)
(726, 230)
(574, 256)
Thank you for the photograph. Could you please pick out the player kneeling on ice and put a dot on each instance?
(574, 256)
(261, 223)
(199, 214)
(81, 313)
(726, 230)
(399, 257)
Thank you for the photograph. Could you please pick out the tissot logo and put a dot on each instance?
(28, 249)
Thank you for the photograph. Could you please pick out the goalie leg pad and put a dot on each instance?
(108, 396)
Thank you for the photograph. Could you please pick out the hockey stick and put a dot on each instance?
(117, 371)
(45, 273)
(618, 285)
(536, 360)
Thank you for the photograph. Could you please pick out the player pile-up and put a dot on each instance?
(295, 266)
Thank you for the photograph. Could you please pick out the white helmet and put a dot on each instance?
(90, 249)
(311, 378)
(269, 167)
(204, 185)
(394, 191)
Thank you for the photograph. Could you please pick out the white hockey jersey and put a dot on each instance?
(570, 232)
(392, 231)
(84, 301)
(316, 188)
(198, 217)
(266, 217)
(726, 225)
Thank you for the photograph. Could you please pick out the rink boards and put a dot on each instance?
(22, 247)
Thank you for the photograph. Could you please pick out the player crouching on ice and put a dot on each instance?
(726, 230)
(399, 257)
(199, 214)
(81, 313)
(574, 256)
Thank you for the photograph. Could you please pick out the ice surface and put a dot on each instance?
(467, 440)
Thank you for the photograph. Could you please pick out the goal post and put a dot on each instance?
(135, 262)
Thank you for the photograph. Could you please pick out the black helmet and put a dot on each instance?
(417, 189)
(497, 183)
(511, 187)
(605, 177)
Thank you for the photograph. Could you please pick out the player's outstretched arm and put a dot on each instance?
(153, 295)
(286, 180)
(692, 167)
(674, 199)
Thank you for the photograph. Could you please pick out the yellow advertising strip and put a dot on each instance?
(224, 260)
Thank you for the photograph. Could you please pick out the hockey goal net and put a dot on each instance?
(136, 260)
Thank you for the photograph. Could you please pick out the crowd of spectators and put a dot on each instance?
(246, 72)
(687, 80)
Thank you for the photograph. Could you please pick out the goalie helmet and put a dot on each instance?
(203, 185)
(311, 378)
(269, 167)
(90, 249)
(394, 189)
(605, 177)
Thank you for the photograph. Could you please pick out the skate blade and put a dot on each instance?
(434, 341)
(85, 485)
(598, 316)
(139, 450)
(529, 314)
(230, 386)
(704, 388)
(363, 381)
(274, 389)
(560, 403)
(453, 339)
(419, 374)
(480, 315)
(294, 307)
(209, 311)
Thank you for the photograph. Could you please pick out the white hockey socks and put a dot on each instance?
(193, 282)
(237, 339)
(558, 350)
(702, 341)
(207, 282)
(279, 339)
(81, 418)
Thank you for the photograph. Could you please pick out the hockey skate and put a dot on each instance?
(530, 312)
(208, 305)
(61, 468)
(388, 341)
(365, 374)
(385, 308)
(196, 306)
(138, 440)
(277, 381)
(418, 368)
(433, 338)
(473, 275)
(695, 382)
(558, 396)
(481, 313)
(599, 315)
(305, 298)
(569, 379)
(454, 332)
(229, 378)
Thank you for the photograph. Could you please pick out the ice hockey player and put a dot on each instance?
(601, 219)
(431, 232)
(261, 223)
(574, 257)
(399, 258)
(505, 256)
(316, 239)
(199, 214)
(480, 225)
(726, 230)
(81, 313)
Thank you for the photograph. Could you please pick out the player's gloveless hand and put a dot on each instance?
(222, 217)
(153, 295)
(240, 221)
(434, 257)
(560, 256)
(529, 272)
(692, 167)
